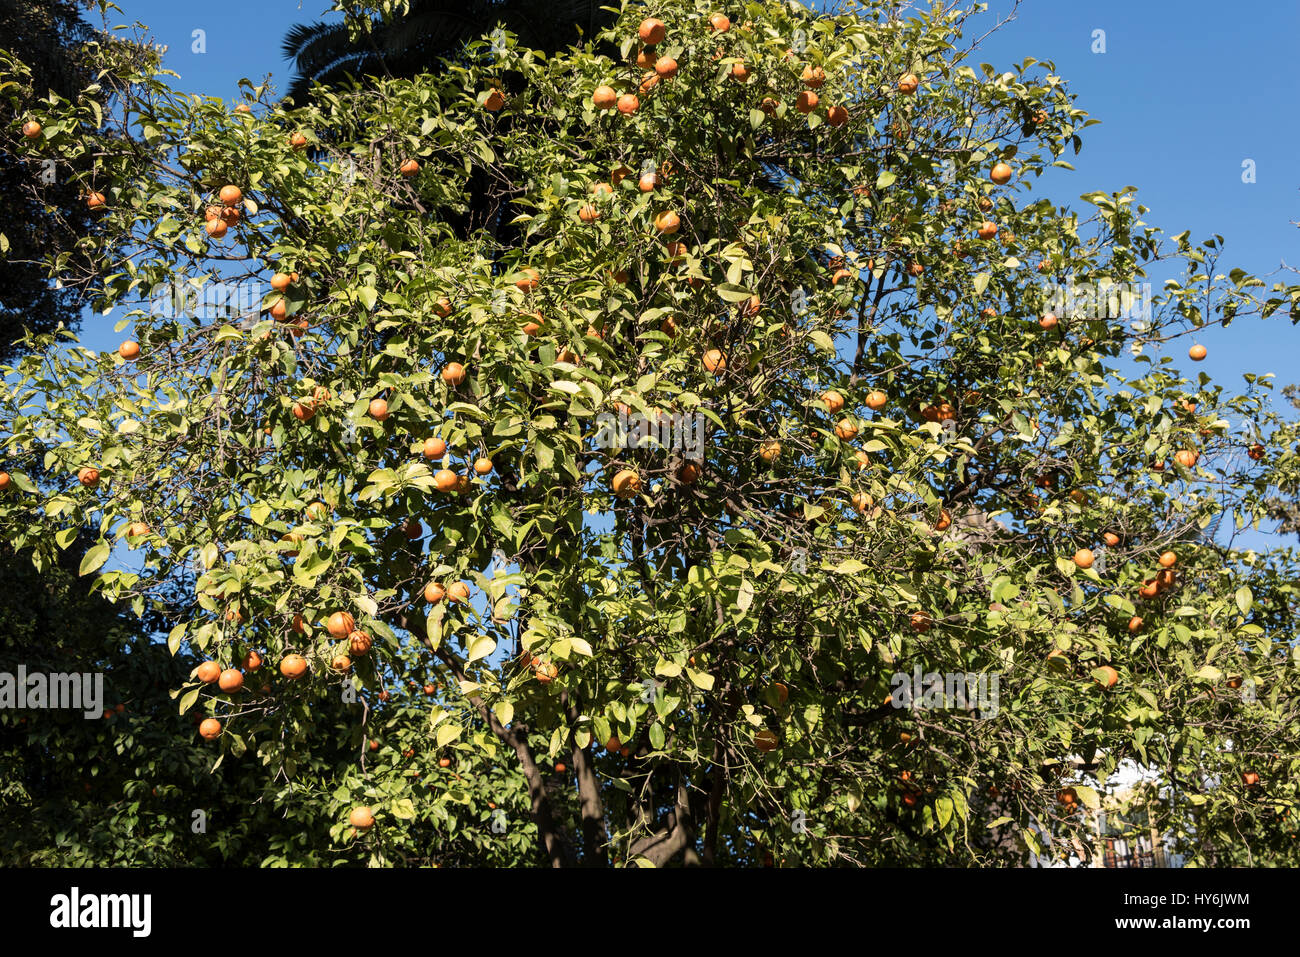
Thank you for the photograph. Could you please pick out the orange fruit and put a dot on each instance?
(359, 643)
(458, 592)
(128, 350)
(483, 465)
(667, 222)
(719, 23)
(1135, 624)
(293, 666)
(813, 77)
(453, 373)
(833, 401)
(529, 279)
(546, 673)
(945, 521)
(1111, 539)
(588, 213)
(362, 818)
(846, 429)
(378, 409)
(1109, 676)
(341, 624)
(770, 450)
(210, 729)
(769, 106)
(604, 97)
(252, 661)
(1168, 560)
(230, 195)
(876, 400)
(31, 129)
(806, 101)
(1250, 779)
(1000, 173)
(445, 480)
(628, 104)
(215, 228)
(766, 740)
(95, 200)
(495, 100)
(434, 448)
(666, 67)
(434, 593)
(837, 116)
(908, 83)
(626, 483)
(5, 479)
(1084, 558)
(651, 31)
(409, 168)
(714, 361)
(341, 663)
(280, 281)
(920, 622)
(862, 501)
(1197, 352)
(1048, 321)
(208, 672)
(88, 477)
(739, 71)
(231, 680)
(987, 230)
(1186, 458)
(298, 141)
(688, 473)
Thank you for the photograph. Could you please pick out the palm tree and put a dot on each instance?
(411, 44)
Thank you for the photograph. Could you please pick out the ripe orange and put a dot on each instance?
(362, 818)
(1256, 452)
(765, 740)
(299, 626)
(445, 480)
(666, 68)
(1111, 539)
(769, 106)
(341, 624)
(280, 281)
(434, 448)
(546, 673)
(561, 767)
(604, 98)
(1000, 173)
(1135, 624)
(529, 279)
(837, 115)
(230, 195)
(739, 71)
(88, 477)
(648, 182)
(1197, 352)
(495, 100)
(359, 643)
(341, 664)
(833, 400)
(770, 450)
(667, 222)
(378, 409)
(806, 101)
(31, 129)
(876, 400)
(458, 592)
(846, 429)
(813, 77)
(688, 473)
(136, 529)
(1068, 797)
(434, 593)
(5, 479)
(128, 350)
(781, 692)
(987, 230)
(714, 361)
(453, 373)
(719, 23)
(1234, 681)
(215, 228)
(293, 666)
(862, 501)
(231, 680)
(1250, 779)
(1168, 560)
(588, 213)
(1084, 558)
(626, 483)
(1109, 676)
(298, 141)
(915, 269)
(409, 168)
(628, 104)
(1186, 458)
(652, 31)
(95, 200)
(483, 465)
(920, 622)
(208, 672)
(908, 83)
(945, 521)
(210, 729)
(252, 661)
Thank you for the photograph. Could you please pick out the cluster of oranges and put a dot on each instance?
(220, 217)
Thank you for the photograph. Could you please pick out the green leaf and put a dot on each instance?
(94, 558)
(1245, 598)
(403, 809)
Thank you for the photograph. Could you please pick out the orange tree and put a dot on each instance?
(393, 479)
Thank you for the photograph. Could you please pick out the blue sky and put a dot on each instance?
(1186, 92)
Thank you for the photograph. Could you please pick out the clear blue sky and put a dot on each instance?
(1186, 91)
